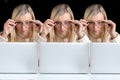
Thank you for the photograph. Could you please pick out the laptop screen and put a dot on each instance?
(18, 58)
(105, 58)
(64, 58)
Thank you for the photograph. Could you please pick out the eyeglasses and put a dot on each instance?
(26, 23)
(92, 23)
(65, 23)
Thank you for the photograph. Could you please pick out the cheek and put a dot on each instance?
(29, 28)
(17, 28)
(89, 28)
(68, 29)
(57, 28)
(102, 27)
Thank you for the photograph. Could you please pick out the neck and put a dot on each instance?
(20, 39)
(93, 39)
(58, 39)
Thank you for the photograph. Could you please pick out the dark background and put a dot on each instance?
(42, 8)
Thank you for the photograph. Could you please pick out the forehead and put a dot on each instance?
(63, 17)
(97, 17)
(24, 17)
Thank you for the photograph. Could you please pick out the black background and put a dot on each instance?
(42, 8)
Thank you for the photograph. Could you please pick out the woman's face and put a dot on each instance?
(24, 25)
(62, 25)
(96, 25)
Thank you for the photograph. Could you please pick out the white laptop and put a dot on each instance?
(64, 58)
(105, 58)
(18, 57)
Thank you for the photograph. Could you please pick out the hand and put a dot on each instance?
(111, 28)
(9, 25)
(47, 27)
(38, 25)
(80, 27)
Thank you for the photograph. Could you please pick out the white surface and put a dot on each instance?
(105, 77)
(64, 58)
(105, 58)
(19, 77)
(59, 76)
(18, 58)
(43, 77)
(64, 77)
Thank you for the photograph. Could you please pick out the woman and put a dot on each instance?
(61, 27)
(22, 27)
(99, 28)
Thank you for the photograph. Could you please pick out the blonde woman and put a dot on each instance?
(99, 28)
(61, 27)
(22, 27)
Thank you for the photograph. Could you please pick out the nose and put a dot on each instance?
(95, 27)
(62, 27)
(24, 27)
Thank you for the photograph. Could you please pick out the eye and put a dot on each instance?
(57, 22)
(18, 22)
(90, 22)
(67, 22)
(100, 22)
(28, 22)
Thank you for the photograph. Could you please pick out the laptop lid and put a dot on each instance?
(63, 58)
(18, 58)
(105, 58)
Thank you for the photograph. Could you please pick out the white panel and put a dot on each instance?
(64, 58)
(105, 58)
(18, 58)
(64, 77)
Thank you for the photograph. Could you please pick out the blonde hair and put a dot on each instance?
(93, 10)
(18, 12)
(56, 12)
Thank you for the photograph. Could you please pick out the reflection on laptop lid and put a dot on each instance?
(64, 58)
(105, 58)
(18, 58)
